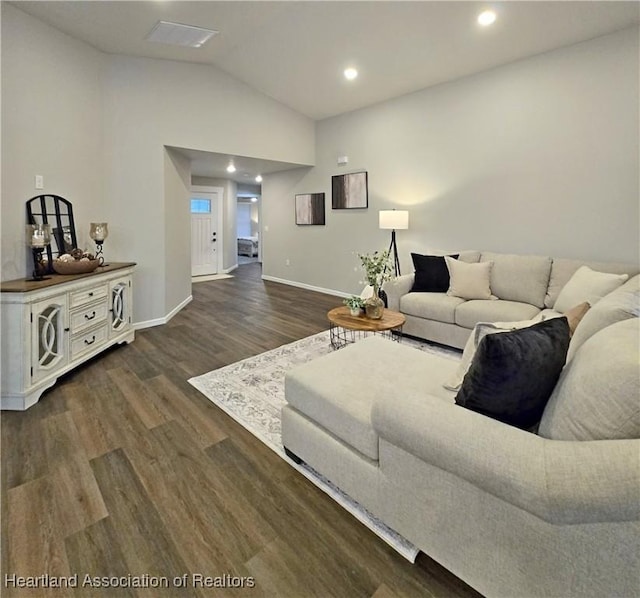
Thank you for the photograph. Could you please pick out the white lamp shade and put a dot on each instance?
(394, 219)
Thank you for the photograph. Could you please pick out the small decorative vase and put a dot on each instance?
(355, 311)
(374, 306)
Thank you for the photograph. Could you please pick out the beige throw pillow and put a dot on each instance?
(469, 281)
(587, 285)
(575, 314)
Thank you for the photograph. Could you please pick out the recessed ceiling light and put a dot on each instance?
(350, 73)
(488, 17)
(259, 179)
(231, 167)
(176, 34)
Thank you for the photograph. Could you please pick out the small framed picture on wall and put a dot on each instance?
(349, 191)
(310, 209)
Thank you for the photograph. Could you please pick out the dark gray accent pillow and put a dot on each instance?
(514, 373)
(432, 274)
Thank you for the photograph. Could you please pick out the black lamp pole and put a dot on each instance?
(396, 260)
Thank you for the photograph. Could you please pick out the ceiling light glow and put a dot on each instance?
(350, 73)
(487, 17)
(231, 167)
(259, 179)
(254, 199)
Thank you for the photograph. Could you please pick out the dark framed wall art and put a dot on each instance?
(349, 191)
(310, 208)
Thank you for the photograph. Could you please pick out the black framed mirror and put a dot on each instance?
(58, 213)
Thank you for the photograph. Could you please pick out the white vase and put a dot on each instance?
(355, 311)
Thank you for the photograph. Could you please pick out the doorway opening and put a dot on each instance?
(248, 225)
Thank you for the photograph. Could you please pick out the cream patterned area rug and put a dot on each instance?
(210, 277)
(252, 393)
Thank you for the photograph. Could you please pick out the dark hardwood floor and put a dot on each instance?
(124, 469)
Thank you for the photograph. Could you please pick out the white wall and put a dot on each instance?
(153, 103)
(96, 127)
(52, 126)
(177, 227)
(539, 156)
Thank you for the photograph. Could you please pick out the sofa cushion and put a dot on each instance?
(469, 313)
(431, 306)
(587, 285)
(621, 304)
(431, 273)
(469, 281)
(522, 278)
(469, 256)
(597, 396)
(563, 269)
(337, 390)
(514, 373)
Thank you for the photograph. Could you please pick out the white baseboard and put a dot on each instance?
(161, 321)
(302, 285)
(227, 270)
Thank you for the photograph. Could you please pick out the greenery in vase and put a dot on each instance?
(354, 302)
(377, 267)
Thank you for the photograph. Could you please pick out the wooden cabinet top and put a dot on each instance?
(26, 285)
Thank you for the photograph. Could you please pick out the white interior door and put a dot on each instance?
(204, 234)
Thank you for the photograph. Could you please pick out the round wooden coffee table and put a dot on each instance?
(345, 329)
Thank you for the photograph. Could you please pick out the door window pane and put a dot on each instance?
(200, 206)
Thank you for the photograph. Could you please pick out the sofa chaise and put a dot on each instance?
(510, 512)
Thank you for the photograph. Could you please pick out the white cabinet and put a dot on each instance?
(51, 326)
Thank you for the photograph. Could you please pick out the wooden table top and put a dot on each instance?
(341, 316)
(25, 285)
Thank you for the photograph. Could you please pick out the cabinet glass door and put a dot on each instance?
(120, 305)
(49, 351)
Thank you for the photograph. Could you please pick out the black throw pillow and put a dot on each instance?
(432, 274)
(513, 374)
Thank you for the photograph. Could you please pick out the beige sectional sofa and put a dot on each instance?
(525, 285)
(512, 513)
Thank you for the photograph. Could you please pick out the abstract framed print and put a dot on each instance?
(310, 209)
(349, 191)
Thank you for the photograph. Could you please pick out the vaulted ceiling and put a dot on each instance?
(296, 52)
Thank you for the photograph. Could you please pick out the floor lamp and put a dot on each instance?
(394, 220)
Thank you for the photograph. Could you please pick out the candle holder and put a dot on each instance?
(38, 237)
(99, 231)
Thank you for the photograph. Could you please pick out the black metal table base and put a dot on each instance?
(341, 337)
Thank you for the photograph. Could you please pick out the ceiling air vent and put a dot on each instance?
(176, 34)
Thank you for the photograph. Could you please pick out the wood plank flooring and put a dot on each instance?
(124, 469)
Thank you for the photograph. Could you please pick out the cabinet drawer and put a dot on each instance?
(89, 316)
(88, 341)
(88, 295)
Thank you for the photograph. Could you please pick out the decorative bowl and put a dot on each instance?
(77, 267)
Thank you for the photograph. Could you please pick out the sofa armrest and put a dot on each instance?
(396, 288)
(562, 482)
